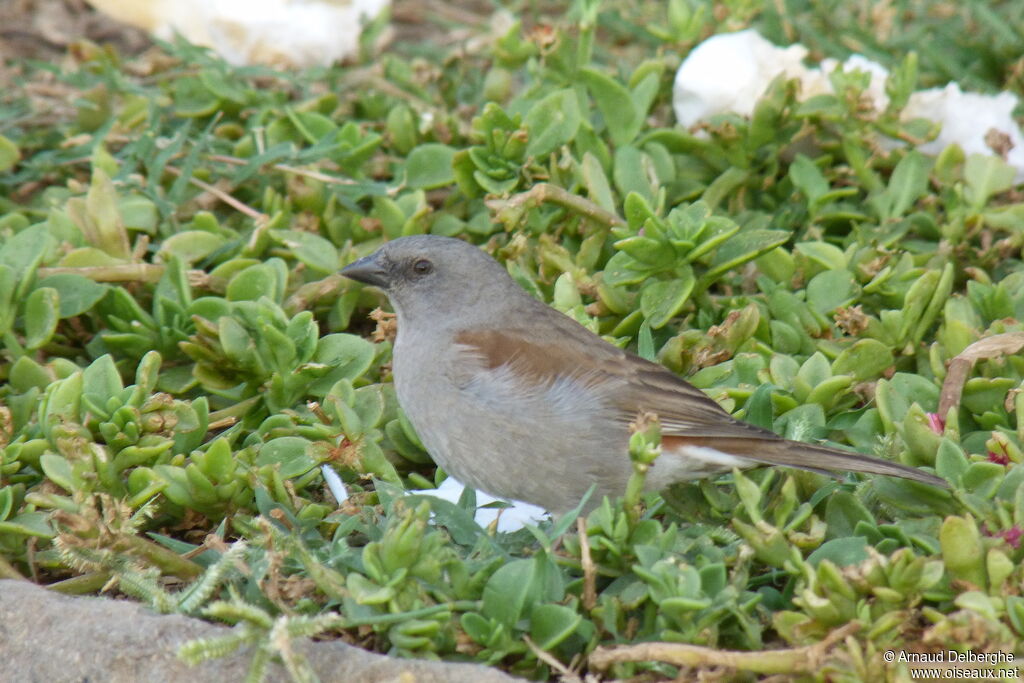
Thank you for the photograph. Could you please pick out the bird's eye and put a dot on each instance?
(422, 267)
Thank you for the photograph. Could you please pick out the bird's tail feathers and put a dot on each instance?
(813, 457)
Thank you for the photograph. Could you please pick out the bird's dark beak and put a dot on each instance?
(367, 270)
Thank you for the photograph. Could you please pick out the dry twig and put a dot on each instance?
(787, 661)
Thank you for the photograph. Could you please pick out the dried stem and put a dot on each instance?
(315, 175)
(960, 367)
(311, 292)
(587, 562)
(566, 674)
(514, 206)
(789, 661)
(241, 207)
(127, 272)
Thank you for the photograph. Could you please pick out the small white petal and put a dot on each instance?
(334, 483)
(509, 519)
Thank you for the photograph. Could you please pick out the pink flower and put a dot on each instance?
(998, 458)
(937, 424)
(1012, 536)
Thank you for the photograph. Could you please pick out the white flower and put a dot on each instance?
(731, 71)
(283, 33)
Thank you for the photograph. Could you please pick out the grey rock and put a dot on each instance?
(47, 637)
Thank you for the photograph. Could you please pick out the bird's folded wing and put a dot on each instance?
(564, 350)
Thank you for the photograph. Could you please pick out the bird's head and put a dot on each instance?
(428, 276)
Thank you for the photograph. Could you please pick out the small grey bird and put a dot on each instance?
(514, 398)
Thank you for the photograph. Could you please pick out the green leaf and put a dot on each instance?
(828, 392)
(430, 166)
(9, 154)
(193, 420)
(908, 183)
(8, 308)
(291, 453)
(1015, 609)
(596, 182)
(191, 245)
(830, 290)
(77, 294)
(58, 470)
(843, 511)
(650, 253)
(476, 627)
(26, 373)
(758, 408)
(622, 269)
(814, 370)
(457, 522)
(983, 478)
(982, 393)
(176, 487)
(25, 250)
(101, 379)
(139, 213)
(239, 346)
(252, 283)
(744, 246)
(645, 90)
(552, 122)
(866, 359)
(29, 524)
(375, 462)
(42, 311)
(88, 257)
(986, 176)
(61, 402)
(826, 256)
(615, 103)
(510, 592)
(724, 185)
(662, 300)
(645, 342)
(962, 550)
(803, 423)
(552, 624)
(219, 464)
(6, 502)
(317, 253)
(808, 178)
(492, 186)
(842, 552)
(348, 355)
(369, 405)
(631, 172)
(895, 396)
(102, 223)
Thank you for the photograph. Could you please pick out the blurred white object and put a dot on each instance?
(509, 519)
(282, 33)
(966, 120)
(731, 71)
(334, 483)
(875, 89)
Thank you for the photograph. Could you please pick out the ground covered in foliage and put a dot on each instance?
(180, 355)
